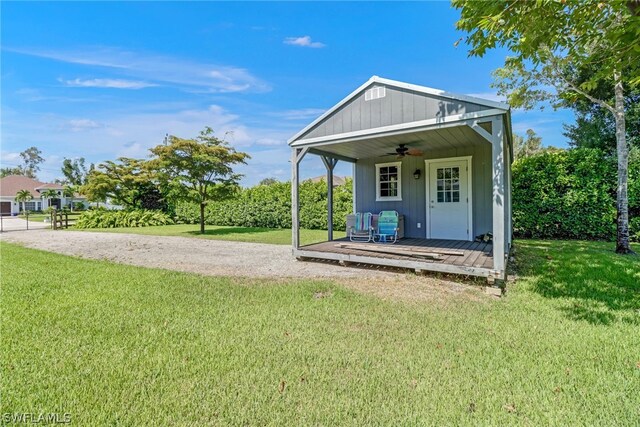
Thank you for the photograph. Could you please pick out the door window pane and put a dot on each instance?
(448, 185)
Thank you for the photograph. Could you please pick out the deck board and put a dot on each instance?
(476, 254)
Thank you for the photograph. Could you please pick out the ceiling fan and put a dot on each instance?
(403, 150)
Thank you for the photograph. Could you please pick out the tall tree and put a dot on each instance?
(198, 170)
(23, 196)
(75, 171)
(126, 182)
(526, 147)
(552, 40)
(31, 160)
(10, 171)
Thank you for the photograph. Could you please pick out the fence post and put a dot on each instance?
(66, 220)
(26, 212)
(54, 218)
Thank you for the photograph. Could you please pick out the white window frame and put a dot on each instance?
(397, 198)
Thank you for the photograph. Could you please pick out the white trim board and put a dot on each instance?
(427, 168)
(397, 198)
(396, 129)
(394, 83)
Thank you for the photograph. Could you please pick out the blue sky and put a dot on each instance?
(103, 80)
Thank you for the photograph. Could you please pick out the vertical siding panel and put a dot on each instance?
(376, 109)
(407, 107)
(355, 114)
(365, 116)
(419, 107)
(396, 108)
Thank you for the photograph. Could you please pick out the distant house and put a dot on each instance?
(337, 180)
(12, 184)
(439, 159)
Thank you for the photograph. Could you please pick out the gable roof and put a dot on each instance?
(436, 93)
(10, 185)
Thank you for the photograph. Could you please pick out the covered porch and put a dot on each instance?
(446, 256)
(442, 161)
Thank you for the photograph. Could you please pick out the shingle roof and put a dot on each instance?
(10, 185)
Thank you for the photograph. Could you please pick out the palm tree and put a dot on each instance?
(69, 193)
(49, 194)
(23, 196)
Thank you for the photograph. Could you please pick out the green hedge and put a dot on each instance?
(269, 206)
(571, 195)
(103, 218)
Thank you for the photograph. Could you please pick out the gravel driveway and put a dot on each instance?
(226, 258)
(211, 257)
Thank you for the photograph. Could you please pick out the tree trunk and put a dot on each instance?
(622, 238)
(201, 218)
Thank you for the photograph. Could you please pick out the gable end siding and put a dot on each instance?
(397, 107)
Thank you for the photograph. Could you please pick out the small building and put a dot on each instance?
(441, 160)
(12, 184)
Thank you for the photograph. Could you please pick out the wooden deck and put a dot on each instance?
(476, 258)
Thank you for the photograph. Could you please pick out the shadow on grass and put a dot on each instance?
(588, 279)
(228, 230)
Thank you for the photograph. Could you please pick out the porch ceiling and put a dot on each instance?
(424, 140)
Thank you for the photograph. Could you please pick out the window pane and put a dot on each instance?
(440, 185)
(447, 196)
(440, 173)
(440, 197)
(447, 184)
(384, 193)
(455, 173)
(384, 170)
(456, 184)
(393, 169)
(447, 172)
(384, 185)
(456, 196)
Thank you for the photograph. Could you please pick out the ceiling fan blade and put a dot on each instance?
(415, 152)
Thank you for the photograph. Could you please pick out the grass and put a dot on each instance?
(240, 234)
(121, 345)
(35, 217)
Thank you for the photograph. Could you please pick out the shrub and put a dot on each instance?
(269, 206)
(103, 218)
(570, 194)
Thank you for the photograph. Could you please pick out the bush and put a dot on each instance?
(103, 218)
(269, 206)
(570, 194)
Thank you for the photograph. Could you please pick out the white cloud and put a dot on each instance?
(77, 125)
(168, 70)
(109, 83)
(304, 41)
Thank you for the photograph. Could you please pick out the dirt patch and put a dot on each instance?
(239, 259)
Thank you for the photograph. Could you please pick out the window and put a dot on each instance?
(375, 93)
(30, 206)
(448, 185)
(389, 181)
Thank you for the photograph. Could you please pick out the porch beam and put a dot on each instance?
(296, 156)
(335, 156)
(329, 164)
(498, 165)
(474, 124)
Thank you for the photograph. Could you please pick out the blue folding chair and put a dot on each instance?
(387, 231)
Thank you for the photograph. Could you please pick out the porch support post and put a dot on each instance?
(499, 164)
(330, 164)
(296, 156)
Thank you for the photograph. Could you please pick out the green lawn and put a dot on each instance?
(119, 345)
(241, 234)
(35, 217)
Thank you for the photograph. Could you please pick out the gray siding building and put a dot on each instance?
(441, 160)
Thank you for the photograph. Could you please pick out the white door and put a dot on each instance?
(448, 201)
